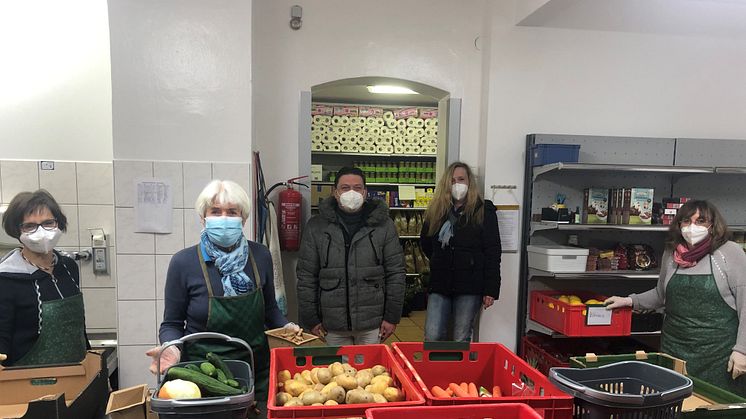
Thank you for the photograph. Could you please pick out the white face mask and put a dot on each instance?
(41, 240)
(694, 234)
(458, 191)
(351, 201)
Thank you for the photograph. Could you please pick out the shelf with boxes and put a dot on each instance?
(612, 183)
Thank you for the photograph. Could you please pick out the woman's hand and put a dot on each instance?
(737, 364)
(169, 357)
(617, 302)
(487, 301)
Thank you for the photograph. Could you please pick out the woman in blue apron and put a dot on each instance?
(223, 284)
(702, 288)
(41, 308)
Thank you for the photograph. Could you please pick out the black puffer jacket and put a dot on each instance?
(354, 290)
(470, 264)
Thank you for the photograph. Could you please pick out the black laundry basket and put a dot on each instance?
(228, 407)
(624, 390)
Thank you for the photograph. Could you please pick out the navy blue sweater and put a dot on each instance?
(186, 296)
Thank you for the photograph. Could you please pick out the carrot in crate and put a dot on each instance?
(457, 390)
(473, 390)
(439, 392)
(496, 392)
(464, 387)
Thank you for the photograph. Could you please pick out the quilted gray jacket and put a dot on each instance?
(355, 289)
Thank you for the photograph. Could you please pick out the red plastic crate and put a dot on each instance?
(537, 357)
(482, 411)
(484, 364)
(360, 356)
(570, 320)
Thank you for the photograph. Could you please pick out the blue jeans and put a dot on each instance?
(442, 308)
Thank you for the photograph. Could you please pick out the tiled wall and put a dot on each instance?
(143, 258)
(85, 192)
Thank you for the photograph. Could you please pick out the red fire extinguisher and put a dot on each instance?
(290, 216)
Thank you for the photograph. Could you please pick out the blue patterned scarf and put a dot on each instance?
(231, 266)
(446, 230)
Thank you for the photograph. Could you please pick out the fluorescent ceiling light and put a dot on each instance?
(397, 90)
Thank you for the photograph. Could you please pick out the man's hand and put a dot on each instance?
(737, 364)
(170, 356)
(617, 302)
(386, 330)
(487, 301)
(319, 331)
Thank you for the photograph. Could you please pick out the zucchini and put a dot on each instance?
(193, 367)
(233, 383)
(207, 384)
(221, 376)
(208, 369)
(218, 362)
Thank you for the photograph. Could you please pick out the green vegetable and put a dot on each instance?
(221, 376)
(194, 367)
(207, 384)
(233, 383)
(483, 392)
(208, 369)
(220, 364)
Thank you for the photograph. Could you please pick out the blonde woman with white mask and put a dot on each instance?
(42, 319)
(702, 288)
(461, 238)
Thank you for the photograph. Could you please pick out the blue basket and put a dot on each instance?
(542, 154)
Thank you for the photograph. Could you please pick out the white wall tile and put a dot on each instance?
(126, 174)
(95, 183)
(171, 171)
(18, 176)
(137, 322)
(160, 305)
(135, 277)
(70, 238)
(60, 182)
(168, 244)
(127, 240)
(88, 279)
(196, 177)
(100, 308)
(96, 216)
(192, 228)
(237, 172)
(161, 269)
(133, 366)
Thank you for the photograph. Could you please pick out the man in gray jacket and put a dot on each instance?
(351, 267)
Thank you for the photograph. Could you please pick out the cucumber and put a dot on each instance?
(221, 376)
(218, 362)
(208, 369)
(207, 384)
(194, 367)
(233, 383)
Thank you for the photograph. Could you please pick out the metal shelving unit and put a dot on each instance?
(336, 153)
(422, 185)
(673, 167)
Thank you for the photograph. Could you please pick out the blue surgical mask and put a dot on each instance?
(224, 231)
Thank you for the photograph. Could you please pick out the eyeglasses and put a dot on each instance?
(701, 221)
(30, 228)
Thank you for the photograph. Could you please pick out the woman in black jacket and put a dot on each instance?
(461, 238)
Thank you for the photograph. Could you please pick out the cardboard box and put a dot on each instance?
(316, 172)
(276, 341)
(596, 206)
(319, 193)
(55, 392)
(641, 206)
(130, 403)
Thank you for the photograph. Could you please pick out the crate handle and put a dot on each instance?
(591, 357)
(639, 355)
(446, 346)
(202, 402)
(315, 351)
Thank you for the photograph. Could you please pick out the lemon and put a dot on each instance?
(550, 305)
(564, 299)
(576, 303)
(593, 301)
(584, 312)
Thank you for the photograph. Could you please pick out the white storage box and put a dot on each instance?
(559, 259)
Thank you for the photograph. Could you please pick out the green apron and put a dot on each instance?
(701, 329)
(62, 337)
(240, 316)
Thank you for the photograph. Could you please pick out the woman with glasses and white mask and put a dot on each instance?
(41, 307)
(702, 288)
(461, 238)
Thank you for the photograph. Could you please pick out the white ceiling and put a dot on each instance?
(706, 18)
(355, 91)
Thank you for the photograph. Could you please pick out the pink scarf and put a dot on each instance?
(686, 257)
